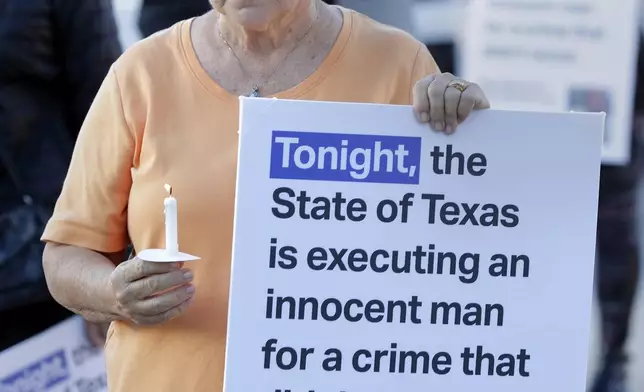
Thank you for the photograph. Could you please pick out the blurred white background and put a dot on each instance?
(127, 12)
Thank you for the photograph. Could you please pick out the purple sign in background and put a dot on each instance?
(345, 157)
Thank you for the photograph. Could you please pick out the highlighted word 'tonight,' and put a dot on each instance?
(345, 157)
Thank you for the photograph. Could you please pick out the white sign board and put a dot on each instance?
(372, 254)
(58, 360)
(558, 56)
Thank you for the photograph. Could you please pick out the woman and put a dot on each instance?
(167, 113)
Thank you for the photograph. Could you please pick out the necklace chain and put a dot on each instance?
(255, 91)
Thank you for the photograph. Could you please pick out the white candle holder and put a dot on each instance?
(163, 256)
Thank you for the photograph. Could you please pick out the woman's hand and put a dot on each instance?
(444, 101)
(151, 293)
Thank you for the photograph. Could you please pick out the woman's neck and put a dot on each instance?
(282, 31)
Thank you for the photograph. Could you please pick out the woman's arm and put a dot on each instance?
(79, 279)
(88, 283)
(88, 273)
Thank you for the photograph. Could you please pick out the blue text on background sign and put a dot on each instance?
(345, 157)
(39, 376)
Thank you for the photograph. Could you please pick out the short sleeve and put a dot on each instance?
(424, 65)
(91, 211)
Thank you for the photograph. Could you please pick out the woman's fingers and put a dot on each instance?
(421, 98)
(147, 287)
(445, 101)
(436, 94)
(162, 303)
(166, 315)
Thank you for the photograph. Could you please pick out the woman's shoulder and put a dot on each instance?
(159, 54)
(378, 37)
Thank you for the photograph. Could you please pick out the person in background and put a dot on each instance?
(618, 252)
(54, 55)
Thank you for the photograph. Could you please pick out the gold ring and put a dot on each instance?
(459, 85)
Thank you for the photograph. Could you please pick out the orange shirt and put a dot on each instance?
(159, 118)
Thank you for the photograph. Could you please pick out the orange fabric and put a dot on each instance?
(159, 118)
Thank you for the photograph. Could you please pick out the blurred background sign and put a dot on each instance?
(438, 21)
(60, 359)
(557, 56)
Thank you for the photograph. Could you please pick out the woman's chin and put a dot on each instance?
(253, 18)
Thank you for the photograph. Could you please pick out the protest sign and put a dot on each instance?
(60, 359)
(372, 254)
(557, 56)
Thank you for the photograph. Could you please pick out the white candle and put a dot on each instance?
(171, 231)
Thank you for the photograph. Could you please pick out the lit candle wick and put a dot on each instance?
(168, 188)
